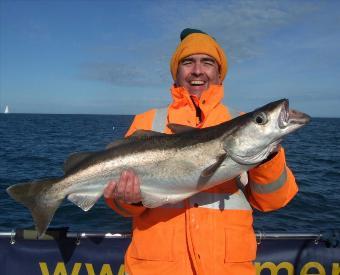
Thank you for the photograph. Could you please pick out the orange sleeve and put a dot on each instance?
(125, 209)
(272, 184)
(144, 122)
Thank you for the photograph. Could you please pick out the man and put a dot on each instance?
(211, 232)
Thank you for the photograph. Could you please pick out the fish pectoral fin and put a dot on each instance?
(84, 200)
(210, 170)
(146, 133)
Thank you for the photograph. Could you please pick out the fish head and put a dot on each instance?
(256, 134)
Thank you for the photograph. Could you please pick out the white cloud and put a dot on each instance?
(239, 26)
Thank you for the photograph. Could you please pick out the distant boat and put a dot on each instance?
(6, 110)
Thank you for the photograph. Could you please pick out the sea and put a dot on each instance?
(34, 146)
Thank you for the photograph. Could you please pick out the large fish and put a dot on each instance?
(170, 167)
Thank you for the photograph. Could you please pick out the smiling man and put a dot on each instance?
(197, 72)
(212, 231)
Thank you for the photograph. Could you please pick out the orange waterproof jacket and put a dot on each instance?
(211, 232)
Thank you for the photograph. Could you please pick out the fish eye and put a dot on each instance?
(261, 118)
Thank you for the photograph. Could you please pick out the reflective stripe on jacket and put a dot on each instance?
(211, 232)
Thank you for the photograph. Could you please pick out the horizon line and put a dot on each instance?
(95, 114)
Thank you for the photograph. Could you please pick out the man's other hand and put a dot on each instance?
(127, 189)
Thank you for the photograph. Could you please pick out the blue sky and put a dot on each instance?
(112, 57)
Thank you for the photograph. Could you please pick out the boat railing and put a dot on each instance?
(61, 251)
(58, 233)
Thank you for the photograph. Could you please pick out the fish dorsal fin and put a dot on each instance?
(74, 159)
(115, 143)
(84, 200)
(179, 128)
(139, 134)
(146, 133)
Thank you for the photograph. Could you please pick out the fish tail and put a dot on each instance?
(34, 195)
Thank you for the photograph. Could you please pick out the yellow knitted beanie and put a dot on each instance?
(198, 42)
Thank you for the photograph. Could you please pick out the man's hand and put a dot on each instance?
(274, 150)
(127, 189)
(272, 153)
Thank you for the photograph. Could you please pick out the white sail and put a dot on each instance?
(6, 110)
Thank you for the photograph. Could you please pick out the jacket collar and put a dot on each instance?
(208, 100)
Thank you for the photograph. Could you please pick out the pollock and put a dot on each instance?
(171, 168)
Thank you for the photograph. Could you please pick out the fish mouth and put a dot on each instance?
(289, 117)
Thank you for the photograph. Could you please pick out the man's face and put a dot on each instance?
(197, 72)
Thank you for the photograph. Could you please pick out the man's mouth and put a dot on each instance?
(197, 82)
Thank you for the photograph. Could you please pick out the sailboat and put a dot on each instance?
(6, 110)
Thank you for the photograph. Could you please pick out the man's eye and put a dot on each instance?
(208, 62)
(186, 62)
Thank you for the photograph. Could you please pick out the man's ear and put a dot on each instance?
(219, 74)
(175, 81)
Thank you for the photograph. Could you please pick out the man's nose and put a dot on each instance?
(197, 69)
